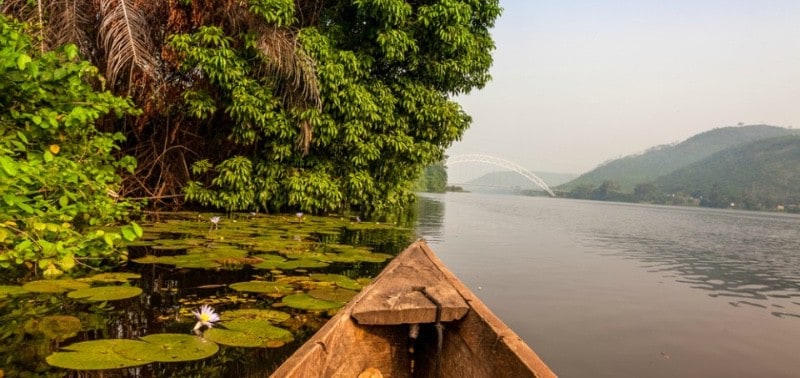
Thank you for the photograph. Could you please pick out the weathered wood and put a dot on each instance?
(480, 345)
(397, 296)
(477, 345)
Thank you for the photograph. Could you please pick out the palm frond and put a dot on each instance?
(295, 72)
(69, 20)
(286, 60)
(124, 35)
(29, 12)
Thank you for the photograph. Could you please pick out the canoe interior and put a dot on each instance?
(476, 345)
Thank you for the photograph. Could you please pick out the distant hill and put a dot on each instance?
(764, 173)
(646, 167)
(512, 182)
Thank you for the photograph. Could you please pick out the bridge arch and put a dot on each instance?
(503, 163)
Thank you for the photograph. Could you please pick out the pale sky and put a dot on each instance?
(576, 83)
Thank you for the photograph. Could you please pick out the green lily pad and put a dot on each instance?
(139, 243)
(368, 257)
(338, 279)
(54, 286)
(263, 287)
(301, 264)
(117, 277)
(10, 291)
(59, 327)
(306, 302)
(272, 316)
(268, 261)
(333, 294)
(147, 259)
(96, 355)
(106, 293)
(169, 347)
(249, 333)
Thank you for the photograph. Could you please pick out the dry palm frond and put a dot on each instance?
(286, 61)
(29, 12)
(295, 72)
(124, 33)
(69, 20)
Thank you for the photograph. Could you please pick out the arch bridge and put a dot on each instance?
(503, 163)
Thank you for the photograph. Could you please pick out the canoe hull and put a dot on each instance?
(477, 345)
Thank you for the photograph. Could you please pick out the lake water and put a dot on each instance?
(622, 290)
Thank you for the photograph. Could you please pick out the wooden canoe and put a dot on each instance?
(372, 335)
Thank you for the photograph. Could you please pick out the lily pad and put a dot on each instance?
(338, 279)
(120, 277)
(268, 261)
(249, 333)
(169, 347)
(263, 287)
(368, 257)
(96, 355)
(147, 259)
(105, 293)
(333, 294)
(54, 286)
(10, 291)
(302, 263)
(306, 302)
(59, 327)
(272, 316)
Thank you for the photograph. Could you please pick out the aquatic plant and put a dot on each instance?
(206, 317)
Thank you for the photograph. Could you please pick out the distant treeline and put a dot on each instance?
(737, 167)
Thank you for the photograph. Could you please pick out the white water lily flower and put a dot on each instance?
(214, 223)
(206, 317)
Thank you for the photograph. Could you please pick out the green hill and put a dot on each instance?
(629, 171)
(756, 175)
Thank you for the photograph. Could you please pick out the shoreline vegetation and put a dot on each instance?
(273, 106)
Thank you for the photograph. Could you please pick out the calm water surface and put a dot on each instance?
(610, 290)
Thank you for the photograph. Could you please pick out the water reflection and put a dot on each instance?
(750, 260)
(430, 210)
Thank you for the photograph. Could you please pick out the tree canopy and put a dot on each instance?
(277, 104)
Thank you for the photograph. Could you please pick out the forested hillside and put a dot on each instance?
(757, 175)
(629, 171)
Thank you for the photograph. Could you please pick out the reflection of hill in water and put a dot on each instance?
(752, 260)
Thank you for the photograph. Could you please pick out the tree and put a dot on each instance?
(433, 179)
(646, 192)
(58, 174)
(607, 191)
(582, 191)
(280, 104)
(715, 198)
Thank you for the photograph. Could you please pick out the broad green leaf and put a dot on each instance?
(96, 355)
(9, 166)
(249, 333)
(105, 293)
(22, 61)
(306, 302)
(169, 347)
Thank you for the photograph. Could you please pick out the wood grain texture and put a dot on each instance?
(478, 344)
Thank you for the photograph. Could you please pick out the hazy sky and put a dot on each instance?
(576, 83)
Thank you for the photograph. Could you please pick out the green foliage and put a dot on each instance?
(385, 71)
(433, 179)
(58, 176)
